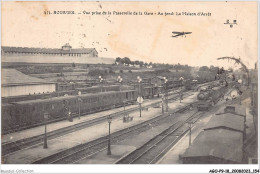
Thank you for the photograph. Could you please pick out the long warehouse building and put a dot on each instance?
(15, 83)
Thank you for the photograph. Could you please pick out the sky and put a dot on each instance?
(139, 37)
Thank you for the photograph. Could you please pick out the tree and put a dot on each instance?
(118, 59)
(213, 69)
(137, 62)
(204, 68)
(126, 60)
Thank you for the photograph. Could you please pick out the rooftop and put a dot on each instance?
(226, 121)
(221, 143)
(238, 109)
(48, 50)
(12, 77)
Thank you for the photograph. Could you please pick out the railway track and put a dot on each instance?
(11, 147)
(81, 151)
(153, 150)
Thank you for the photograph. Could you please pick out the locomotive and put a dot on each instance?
(26, 114)
(209, 97)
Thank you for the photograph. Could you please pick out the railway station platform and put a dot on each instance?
(36, 152)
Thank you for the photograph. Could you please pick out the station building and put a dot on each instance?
(15, 83)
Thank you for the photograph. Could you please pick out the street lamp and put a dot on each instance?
(120, 79)
(79, 102)
(124, 101)
(101, 82)
(109, 120)
(139, 80)
(197, 78)
(240, 83)
(162, 104)
(190, 125)
(166, 92)
(46, 115)
(181, 95)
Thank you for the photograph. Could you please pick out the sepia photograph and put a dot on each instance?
(100, 83)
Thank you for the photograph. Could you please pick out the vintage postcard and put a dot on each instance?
(92, 83)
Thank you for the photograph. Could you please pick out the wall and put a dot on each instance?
(56, 59)
(27, 89)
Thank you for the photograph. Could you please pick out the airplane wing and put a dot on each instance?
(174, 32)
(187, 32)
(177, 35)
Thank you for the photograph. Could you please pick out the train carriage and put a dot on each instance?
(174, 84)
(7, 116)
(190, 84)
(31, 112)
(148, 92)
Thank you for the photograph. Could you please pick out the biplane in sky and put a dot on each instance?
(180, 33)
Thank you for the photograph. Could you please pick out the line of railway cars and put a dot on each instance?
(23, 114)
(93, 89)
(25, 111)
(147, 90)
(150, 90)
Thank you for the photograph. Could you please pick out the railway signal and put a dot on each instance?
(181, 96)
(109, 120)
(46, 116)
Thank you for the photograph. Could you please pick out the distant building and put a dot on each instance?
(65, 50)
(65, 54)
(15, 83)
